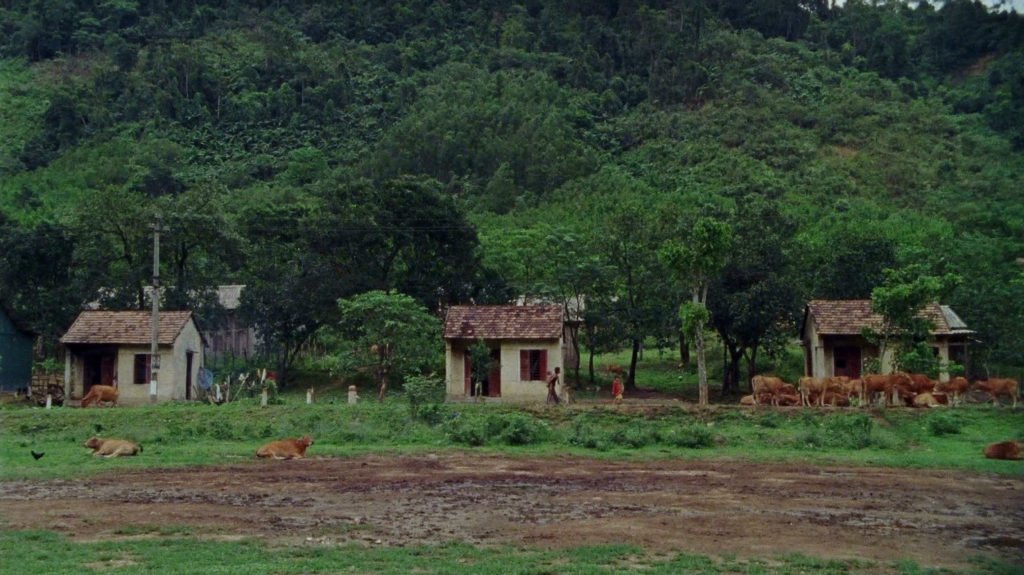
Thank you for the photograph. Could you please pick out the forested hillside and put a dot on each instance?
(474, 151)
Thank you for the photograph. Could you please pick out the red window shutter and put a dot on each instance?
(543, 364)
(524, 365)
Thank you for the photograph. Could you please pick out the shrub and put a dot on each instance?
(940, 424)
(849, 432)
(691, 436)
(466, 430)
(521, 429)
(587, 435)
(426, 396)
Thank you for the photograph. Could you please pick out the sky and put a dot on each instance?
(1017, 5)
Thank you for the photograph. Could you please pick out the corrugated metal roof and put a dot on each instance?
(851, 316)
(125, 327)
(503, 322)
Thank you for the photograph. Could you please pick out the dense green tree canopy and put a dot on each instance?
(467, 151)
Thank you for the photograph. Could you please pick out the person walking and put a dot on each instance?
(617, 390)
(552, 383)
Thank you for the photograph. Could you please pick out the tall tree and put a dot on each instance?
(695, 259)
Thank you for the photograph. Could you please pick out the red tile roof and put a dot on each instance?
(850, 316)
(125, 327)
(503, 322)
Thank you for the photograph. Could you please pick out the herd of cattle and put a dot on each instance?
(906, 389)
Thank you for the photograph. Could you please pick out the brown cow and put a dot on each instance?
(111, 447)
(998, 387)
(286, 448)
(885, 384)
(921, 383)
(100, 394)
(812, 389)
(766, 385)
(955, 387)
(926, 399)
(1003, 450)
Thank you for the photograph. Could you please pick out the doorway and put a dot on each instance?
(846, 361)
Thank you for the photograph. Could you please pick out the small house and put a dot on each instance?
(114, 348)
(833, 343)
(524, 342)
(15, 354)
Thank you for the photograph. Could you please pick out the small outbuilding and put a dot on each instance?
(833, 343)
(525, 342)
(15, 354)
(113, 348)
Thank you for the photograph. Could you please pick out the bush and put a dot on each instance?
(426, 395)
(940, 424)
(587, 435)
(845, 432)
(521, 429)
(466, 430)
(691, 437)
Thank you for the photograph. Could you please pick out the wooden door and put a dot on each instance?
(846, 361)
(494, 375)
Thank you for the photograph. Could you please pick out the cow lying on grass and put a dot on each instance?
(286, 448)
(100, 394)
(1003, 450)
(112, 447)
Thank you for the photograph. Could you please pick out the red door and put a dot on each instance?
(494, 376)
(847, 361)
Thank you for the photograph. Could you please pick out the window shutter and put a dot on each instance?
(543, 364)
(524, 365)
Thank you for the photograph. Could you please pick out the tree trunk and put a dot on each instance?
(731, 377)
(684, 349)
(631, 379)
(751, 368)
(702, 367)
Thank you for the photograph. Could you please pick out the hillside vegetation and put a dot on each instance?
(468, 151)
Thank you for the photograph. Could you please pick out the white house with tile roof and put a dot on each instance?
(525, 343)
(113, 348)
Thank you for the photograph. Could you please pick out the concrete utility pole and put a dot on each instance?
(154, 350)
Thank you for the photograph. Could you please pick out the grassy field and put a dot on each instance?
(201, 434)
(198, 434)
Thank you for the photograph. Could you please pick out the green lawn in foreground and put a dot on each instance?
(197, 434)
(38, 552)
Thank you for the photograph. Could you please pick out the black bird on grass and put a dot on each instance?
(37, 455)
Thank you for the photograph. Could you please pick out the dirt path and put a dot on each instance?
(710, 507)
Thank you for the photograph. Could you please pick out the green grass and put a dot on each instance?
(201, 434)
(34, 552)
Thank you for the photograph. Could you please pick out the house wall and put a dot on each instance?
(512, 387)
(15, 356)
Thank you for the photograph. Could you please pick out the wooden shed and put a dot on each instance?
(15, 354)
(833, 344)
(525, 343)
(113, 348)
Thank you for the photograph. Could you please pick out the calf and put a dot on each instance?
(998, 387)
(1003, 450)
(955, 387)
(111, 447)
(100, 394)
(762, 385)
(812, 388)
(925, 399)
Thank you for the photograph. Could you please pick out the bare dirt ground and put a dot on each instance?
(936, 518)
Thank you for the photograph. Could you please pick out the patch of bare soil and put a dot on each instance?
(936, 518)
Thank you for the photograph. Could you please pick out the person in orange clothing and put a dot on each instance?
(617, 390)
